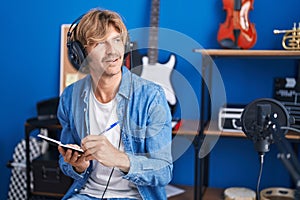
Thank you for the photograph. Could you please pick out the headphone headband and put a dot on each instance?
(70, 31)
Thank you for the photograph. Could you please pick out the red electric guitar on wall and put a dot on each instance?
(151, 69)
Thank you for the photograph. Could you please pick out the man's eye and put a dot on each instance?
(117, 40)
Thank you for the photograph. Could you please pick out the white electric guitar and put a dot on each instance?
(152, 70)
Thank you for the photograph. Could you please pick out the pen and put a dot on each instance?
(110, 127)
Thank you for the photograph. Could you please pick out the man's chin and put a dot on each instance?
(113, 69)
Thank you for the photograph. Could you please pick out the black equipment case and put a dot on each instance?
(287, 92)
(47, 176)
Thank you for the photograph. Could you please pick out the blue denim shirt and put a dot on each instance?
(146, 132)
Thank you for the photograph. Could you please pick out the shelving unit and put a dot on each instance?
(207, 62)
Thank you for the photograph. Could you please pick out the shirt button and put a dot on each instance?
(75, 189)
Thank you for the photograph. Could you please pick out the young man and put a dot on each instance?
(121, 121)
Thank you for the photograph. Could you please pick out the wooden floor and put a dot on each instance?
(209, 194)
(187, 195)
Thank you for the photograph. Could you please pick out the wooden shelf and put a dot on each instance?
(248, 53)
(290, 135)
(188, 127)
(191, 127)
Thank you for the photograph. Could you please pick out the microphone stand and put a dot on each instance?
(287, 156)
(266, 121)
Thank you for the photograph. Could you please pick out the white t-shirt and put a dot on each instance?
(101, 117)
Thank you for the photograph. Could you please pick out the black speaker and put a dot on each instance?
(76, 51)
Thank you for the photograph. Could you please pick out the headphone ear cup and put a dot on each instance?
(76, 54)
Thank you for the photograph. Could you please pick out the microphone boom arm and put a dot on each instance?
(288, 158)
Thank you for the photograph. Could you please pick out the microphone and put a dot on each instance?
(260, 119)
(262, 142)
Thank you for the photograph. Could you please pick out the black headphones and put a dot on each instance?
(76, 51)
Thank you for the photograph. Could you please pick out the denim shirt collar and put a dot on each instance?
(124, 86)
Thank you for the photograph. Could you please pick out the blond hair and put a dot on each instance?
(94, 25)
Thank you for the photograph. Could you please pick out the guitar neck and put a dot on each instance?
(153, 35)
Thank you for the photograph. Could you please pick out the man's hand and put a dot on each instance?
(75, 159)
(98, 147)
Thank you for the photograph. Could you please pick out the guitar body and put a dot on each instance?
(160, 74)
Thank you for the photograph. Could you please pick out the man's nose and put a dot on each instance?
(110, 47)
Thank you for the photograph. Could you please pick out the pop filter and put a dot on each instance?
(259, 120)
